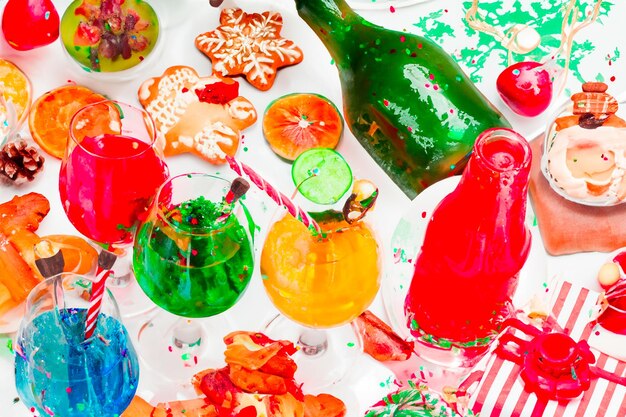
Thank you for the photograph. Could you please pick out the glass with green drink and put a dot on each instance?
(193, 257)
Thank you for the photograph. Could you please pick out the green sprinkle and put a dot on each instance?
(10, 345)
(350, 344)
(185, 356)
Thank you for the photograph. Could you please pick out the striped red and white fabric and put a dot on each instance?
(501, 390)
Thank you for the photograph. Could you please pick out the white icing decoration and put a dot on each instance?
(171, 103)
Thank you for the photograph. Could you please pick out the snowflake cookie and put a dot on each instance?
(249, 44)
(200, 115)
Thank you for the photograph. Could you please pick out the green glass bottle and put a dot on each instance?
(405, 99)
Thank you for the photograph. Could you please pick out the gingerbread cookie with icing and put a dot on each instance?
(249, 44)
(199, 115)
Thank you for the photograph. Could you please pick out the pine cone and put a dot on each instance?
(20, 161)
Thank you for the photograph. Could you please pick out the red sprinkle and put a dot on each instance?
(386, 102)
(194, 252)
(392, 9)
(419, 46)
(612, 78)
(423, 214)
(402, 38)
(431, 76)
(185, 89)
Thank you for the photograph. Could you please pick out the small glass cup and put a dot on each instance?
(57, 371)
(585, 166)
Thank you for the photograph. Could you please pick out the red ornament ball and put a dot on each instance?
(526, 88)
(29, 24)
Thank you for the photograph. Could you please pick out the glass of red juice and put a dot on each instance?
(112, 168)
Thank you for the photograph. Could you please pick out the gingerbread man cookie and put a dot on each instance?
(200, 115)
(249, 44)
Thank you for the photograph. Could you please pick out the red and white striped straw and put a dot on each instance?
(273, 193)
(105, 263)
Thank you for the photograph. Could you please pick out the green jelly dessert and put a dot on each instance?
(195, 261)
(109, 35)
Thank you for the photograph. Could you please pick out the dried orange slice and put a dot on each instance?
(15, 86)
(51, 114)
(298, 122)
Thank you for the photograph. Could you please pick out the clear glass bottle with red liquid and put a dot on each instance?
(475, 245)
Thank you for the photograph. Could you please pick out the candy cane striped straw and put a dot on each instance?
(273, 193)
(106, 260)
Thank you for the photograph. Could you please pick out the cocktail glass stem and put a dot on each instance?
(325, 356)
(130, 298)
(186, 334)
(178, 348)
(313, 342)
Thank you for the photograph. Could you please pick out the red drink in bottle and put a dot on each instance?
(476, 243)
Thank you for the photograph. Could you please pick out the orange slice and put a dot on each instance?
(15, 86)
(51, 114)
(298, 122)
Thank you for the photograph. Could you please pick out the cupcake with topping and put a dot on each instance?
(585, 149)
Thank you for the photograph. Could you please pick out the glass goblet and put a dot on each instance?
(193, 257)
(321, 282)
(57, 371)
(112, 167)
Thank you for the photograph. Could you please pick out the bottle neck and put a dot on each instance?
(498, 172)
(332, 21)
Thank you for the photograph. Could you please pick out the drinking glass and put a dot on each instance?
(57, 371)
(112, 167)
(194, 258)
(321, 282)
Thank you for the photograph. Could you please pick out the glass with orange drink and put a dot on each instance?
(322, 281)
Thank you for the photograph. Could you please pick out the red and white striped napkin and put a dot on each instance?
(501, 390)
